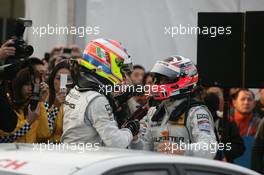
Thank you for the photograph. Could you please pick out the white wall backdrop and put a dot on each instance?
(138, 24)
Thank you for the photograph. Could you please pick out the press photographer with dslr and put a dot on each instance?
(6, 50)
(21, 88)
(8, 118)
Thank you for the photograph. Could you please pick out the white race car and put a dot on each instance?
(23, 159)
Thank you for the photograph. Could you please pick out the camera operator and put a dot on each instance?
(8, 118)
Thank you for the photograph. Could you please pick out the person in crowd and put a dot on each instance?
(232, 94)
(137, 74)
(8, 118)
(52, 122)
(148, 81)
(57, 50)
(179, 122)
(226, 131)
(75, 51)
(88, 110)
(39, 66)
(219, 92)
(257, 161)
(55, 60)
(136, 78)
(148, 78)
(28, 112)
(259, 109)
(246, 120)
(46, 68)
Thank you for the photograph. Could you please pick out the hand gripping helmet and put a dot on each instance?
(107, 59)
(176, 76)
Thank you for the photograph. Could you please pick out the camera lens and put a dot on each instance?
(28, 50)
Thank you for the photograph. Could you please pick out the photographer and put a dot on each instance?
(14, 52)
(6, 50)
(8, 119)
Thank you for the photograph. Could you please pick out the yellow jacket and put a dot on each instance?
(50, 124)
(24, 132)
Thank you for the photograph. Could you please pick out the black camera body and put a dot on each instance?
(22, 49)
(35, 96)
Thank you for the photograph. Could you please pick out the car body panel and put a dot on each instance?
(24, 159)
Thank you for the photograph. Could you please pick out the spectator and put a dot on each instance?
(8, 118)
(54, 105)
(55, 60)
(218, 91)
(57, 50)
(75, 51)
(137, 74)
(247, 122)
(26, 129)
(232, 136)
(257, 162)
(148, 81)
(244, 103)
(232, 93)
(136, 77)
(39, 66)
(148, 78)
(259, 109)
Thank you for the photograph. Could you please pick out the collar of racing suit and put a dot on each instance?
(174, 108)
(88, 82)
(171, 105)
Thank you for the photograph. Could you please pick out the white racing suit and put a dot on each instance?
(194, 134)
(88, 118)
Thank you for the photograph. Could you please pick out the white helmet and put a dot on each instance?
(180, 74)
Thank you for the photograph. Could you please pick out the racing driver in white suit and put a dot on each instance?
(88, 110)
(180, 124)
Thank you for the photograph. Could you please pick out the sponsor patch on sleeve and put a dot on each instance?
(202, 121)
(202, 116)
(204, 127)
(109, 109)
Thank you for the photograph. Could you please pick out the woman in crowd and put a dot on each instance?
(28, 114)
(54, 104)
